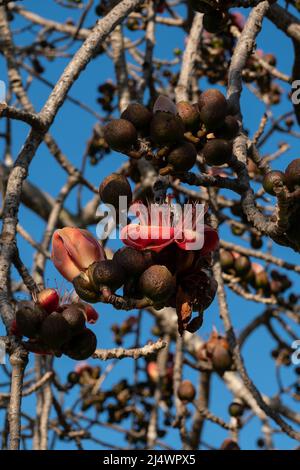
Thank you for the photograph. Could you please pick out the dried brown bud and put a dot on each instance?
(213, 108)
(81, 346)
(217, 152)
(157, 283)
(29, 318)
(113, 187)
(120, 135)
(186, 391)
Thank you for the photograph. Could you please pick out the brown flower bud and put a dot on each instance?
(29, 318)
(242, 265)
(133, 261)
(75, 317)
(182, 157)
(138, 115)
(236, 409)
(107, 273)
(55, 331)
(166, 129)
(186, 391)
(270, 178)
(217, 152)
(157, 283)
(189, 115)
(81, 346)
(213, 108)
(114, 186)
(120, 134)
(229, 129)
(292, 174)
(229, 444)
(85, 289)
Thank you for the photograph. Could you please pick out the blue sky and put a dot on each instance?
(72, 129)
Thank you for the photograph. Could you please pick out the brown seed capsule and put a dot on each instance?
(29, 318)
(292, 174)
(271, 178)
(134, 262)
(183, 157)
(120, 134)
(75, 318)
(229, 129)
(189, 115)
(213, 108)
(236, 409)
(113, 187)
(166, 129)
(138, 115)
(81, 346)
(157, 283)
(55, 331)
(217, 152)
(186, 391)
(106, 273)
(85, 289)
(242, 265)
(215, 22)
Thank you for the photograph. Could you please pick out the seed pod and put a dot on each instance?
(229, 129)
(107, 273)
(217, 152)
(270, 178)
(226, 259)
(113, 187)
(213, 108)
(292, 174)
(166, 129)
(85, 289)
(157, 283)
(134, 262)
(189, 115)
(202, 7)
(120, 134)
(242, 265)
(48, 299)
(186, 391)
(55, 331)
(236, 409)
(215, 22)
(183, 157)
(29, 318)
(138, 115)
(81, 346)
(75, 318)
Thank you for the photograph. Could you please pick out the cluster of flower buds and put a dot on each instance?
(153, 269)
(84, 374)
(177, 132)
(126, 327)
(275, 183)
(54, 328)
(216, 51)
(216, 352)
(253, 274)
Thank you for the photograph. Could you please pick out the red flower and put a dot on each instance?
(157, 230)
